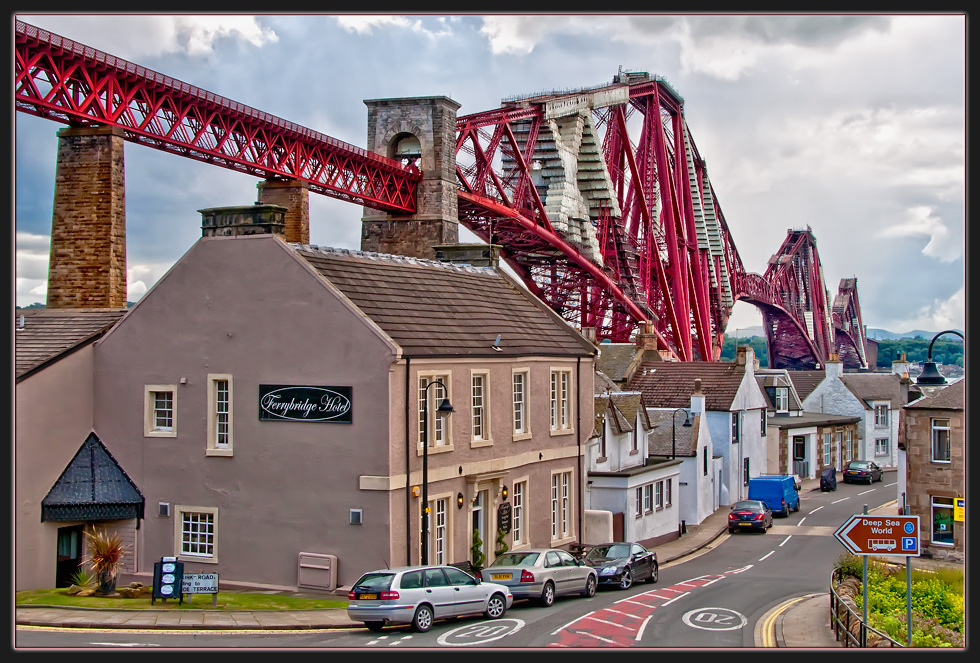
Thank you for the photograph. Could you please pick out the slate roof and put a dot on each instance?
(603, 385)
(662, 441)
(874, 387)
(49, 334)
(440, 309)
(806, 381)
(951, 397)
(92, 487)
(630, 404)
(615, 358)
(776, 378)
(669, 384)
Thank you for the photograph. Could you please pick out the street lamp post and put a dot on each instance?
(673, 429)
(445, 409)
(930, 378)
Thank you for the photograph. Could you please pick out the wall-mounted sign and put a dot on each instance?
(503, 517)
(959, 508)
(316, 404)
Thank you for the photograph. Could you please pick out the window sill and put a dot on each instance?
(563, 431)
(444, 448)
(522, 436)
(219, 452)
(480, 443)
(633, 452)
(160, 433)
(191, 559)
(601, 459)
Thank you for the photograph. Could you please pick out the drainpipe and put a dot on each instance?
(408, 456)
(578, 427)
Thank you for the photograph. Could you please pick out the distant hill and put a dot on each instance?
(873, 333)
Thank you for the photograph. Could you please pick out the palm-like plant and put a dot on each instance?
(106, 552)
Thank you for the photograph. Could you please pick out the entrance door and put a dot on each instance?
(69, 554)
(480, 524)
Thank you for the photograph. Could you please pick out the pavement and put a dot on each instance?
(798, 622)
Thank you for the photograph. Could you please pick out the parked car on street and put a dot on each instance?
(419, 595)
(749, 515)
(621, 564)
(862, 470)
(542, 574)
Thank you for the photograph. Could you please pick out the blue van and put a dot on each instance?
(777, 491)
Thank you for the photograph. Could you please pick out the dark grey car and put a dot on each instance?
(622, 563)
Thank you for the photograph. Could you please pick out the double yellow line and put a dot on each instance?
(768, 634)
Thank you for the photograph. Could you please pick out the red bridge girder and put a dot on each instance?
(68, 82)
(599, 197)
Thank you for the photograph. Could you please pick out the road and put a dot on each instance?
(710, 600)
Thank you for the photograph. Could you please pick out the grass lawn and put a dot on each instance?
(227, 600)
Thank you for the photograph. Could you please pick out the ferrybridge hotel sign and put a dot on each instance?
(296, 403)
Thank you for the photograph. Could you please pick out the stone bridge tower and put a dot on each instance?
(423, 130)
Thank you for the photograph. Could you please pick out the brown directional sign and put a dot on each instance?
(880, 535)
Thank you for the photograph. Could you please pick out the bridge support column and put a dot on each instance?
(294, 195)
(87, 264)
(422, 129)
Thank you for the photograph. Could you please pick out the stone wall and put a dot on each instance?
(927, 479)
(294, 195)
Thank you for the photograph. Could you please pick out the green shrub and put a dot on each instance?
(82, 578)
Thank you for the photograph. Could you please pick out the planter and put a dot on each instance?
(107, 584)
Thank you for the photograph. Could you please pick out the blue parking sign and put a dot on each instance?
(908, 543)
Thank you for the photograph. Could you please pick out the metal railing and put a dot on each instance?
(844, 618)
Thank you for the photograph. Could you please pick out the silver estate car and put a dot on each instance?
(419, 595)
(542, 574)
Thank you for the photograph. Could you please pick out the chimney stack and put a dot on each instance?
(255, 219)
(697, 398)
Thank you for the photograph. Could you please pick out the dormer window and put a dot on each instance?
(782, 399)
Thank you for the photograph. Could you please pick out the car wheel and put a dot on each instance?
(590, 586)
(654, 573)
(422, 621)
(496, 607)
(548, 594)
(626, 580)
(375, 626)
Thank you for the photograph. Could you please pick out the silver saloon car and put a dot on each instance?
(419, 595)
(542, 574)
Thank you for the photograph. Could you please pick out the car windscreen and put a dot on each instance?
(859, 464)
(747, 506)
(516, 559)
(608, 552)
(378, 581)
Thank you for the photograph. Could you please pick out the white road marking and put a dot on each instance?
(801, 521)
(124, 644)
(639, 634)
(596, 619)
(766, 555)
(815, 510)
(627, 614)
(844, 499)
(676, 598)
(560, 628)
(785, 540)
(871, 490)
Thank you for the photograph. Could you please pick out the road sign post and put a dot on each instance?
(884, 536)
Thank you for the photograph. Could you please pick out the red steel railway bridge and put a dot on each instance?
(597, 198)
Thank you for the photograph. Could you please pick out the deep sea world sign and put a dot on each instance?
(315, 404)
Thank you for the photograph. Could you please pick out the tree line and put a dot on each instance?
(944, 351)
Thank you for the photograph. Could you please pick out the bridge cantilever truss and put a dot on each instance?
(599, 197)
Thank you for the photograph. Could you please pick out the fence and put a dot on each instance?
(844, 620)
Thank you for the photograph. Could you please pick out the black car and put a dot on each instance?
(862, 470)
(749, 514)
(621, 564)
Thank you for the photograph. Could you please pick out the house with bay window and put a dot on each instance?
(289, 411)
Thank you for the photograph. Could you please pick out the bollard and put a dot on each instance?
(683, 527)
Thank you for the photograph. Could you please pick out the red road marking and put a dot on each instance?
(619, 624)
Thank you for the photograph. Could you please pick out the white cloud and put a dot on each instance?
(920, 222)
(365, 25)
(939, 314)
(133, 37)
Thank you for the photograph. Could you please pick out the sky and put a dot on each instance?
(851, 125)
